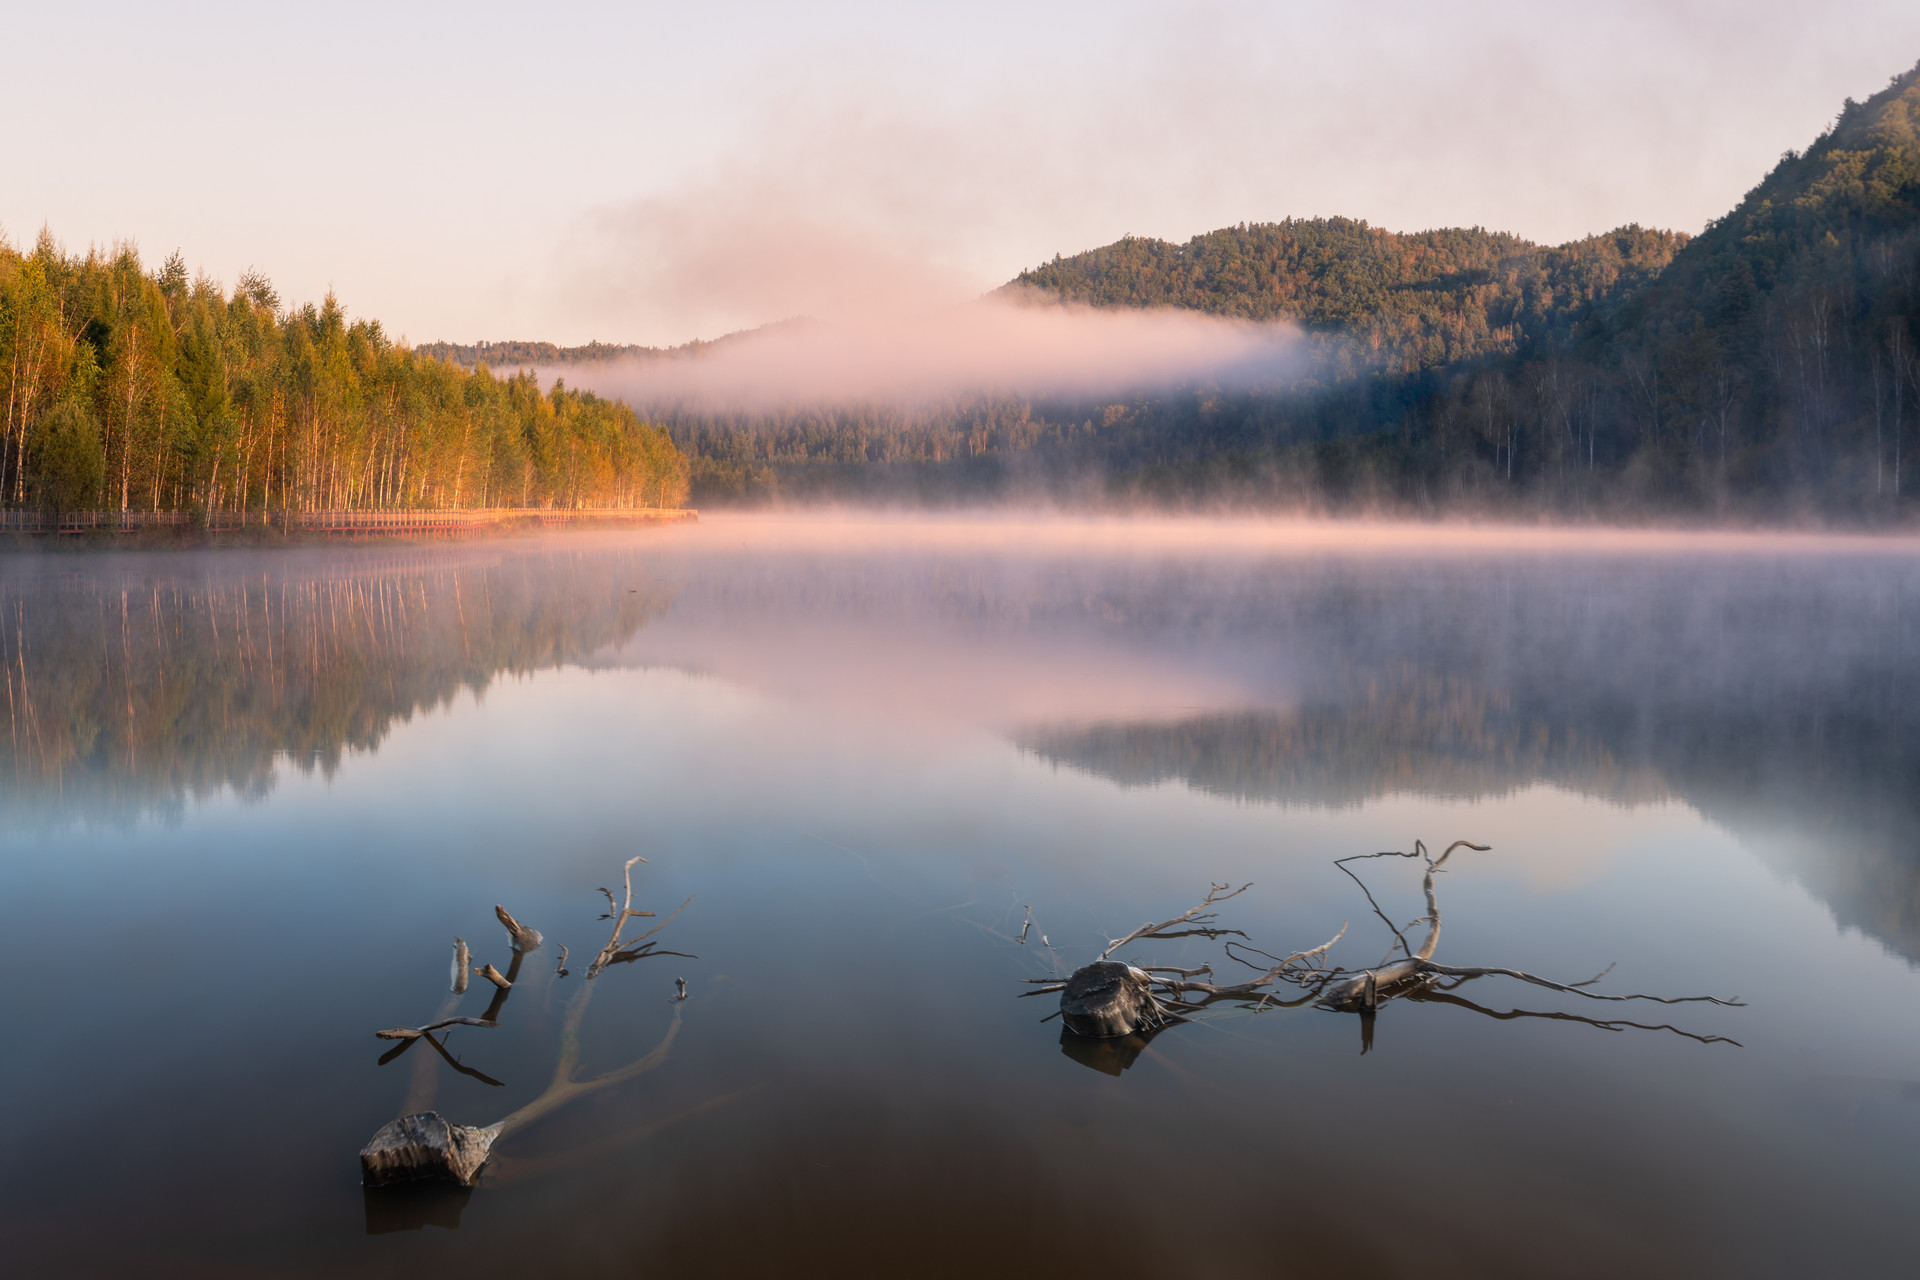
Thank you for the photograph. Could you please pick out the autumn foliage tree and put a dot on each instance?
(129, 389)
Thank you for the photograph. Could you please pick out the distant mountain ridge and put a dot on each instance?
(1415, 301)
(520, 355)
(1764, 368)
(501, 355)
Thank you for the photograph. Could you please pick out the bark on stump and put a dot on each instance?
(424, 1147)
(1107, 998)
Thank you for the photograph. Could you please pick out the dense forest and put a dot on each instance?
(1378, 302)
(501, 355)
(129, 389)
(1764, 367)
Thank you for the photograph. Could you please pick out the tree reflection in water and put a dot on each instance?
(129, 689)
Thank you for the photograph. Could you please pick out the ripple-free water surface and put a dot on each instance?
(249, 800)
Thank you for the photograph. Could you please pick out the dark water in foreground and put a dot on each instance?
(247, 803)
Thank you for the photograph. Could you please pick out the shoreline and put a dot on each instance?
(179, 530)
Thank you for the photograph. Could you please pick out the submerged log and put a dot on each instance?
(1107, 998)
(424, 1147)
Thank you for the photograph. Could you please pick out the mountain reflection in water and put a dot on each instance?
(1815, 762)
(246, 802)
(1773, 694)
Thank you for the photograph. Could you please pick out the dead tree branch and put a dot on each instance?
(1108, 998)
(494, 976)
(1605, 1024)
(422, 1145)
(1199, 914)
(522, 938)
(1574, 988)
(1283, 969)
(610, 954)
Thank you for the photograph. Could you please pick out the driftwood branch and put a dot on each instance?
(1605, 1024)
(461, 959)
(1280, 970)
(617, 951)
(1574, 988)
(619, 916)
(423, 1145)
(1197, 916)
(1364, 988)
(522, 938)
(1108, 998)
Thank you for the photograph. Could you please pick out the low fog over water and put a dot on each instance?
(912, 353)
(254, 798)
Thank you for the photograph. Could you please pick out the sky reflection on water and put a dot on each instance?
(866, 758)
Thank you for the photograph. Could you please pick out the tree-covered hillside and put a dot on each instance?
(128, 389)
(1765, 367)
(1408, 302)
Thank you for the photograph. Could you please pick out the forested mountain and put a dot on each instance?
(124, 388)
(1403, 302)
(1764, 367)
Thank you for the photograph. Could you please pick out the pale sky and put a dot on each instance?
(653, 173)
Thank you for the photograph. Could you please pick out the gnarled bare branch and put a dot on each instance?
(1452, 971)
(1215, 895)
(1107, 998)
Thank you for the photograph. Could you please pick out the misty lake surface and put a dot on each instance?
(249, 800)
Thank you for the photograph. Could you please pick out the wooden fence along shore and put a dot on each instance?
(342, 524)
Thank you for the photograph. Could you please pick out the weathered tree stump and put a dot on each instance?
(424, 1147)
(1107, 998)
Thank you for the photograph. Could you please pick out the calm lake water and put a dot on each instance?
(248, 801)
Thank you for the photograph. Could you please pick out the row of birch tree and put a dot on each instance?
(129, 389)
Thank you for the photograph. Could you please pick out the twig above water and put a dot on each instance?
(521, 937)
(616, 951)
(1196, 916)
(494, 976)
